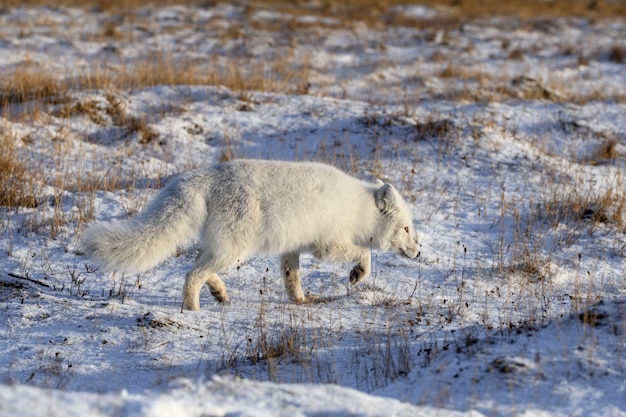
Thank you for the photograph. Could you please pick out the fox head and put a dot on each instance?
(397, 230)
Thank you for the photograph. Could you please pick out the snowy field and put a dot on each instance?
(507, 137)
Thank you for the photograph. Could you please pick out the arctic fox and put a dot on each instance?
(246, 207)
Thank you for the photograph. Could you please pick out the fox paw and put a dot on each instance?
(357, 274)
(222, 297)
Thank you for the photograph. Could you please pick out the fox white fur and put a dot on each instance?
(247, 207)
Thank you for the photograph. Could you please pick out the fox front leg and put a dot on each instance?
(363, 268)
(348, 253)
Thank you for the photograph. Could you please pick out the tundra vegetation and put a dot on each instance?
(502, 124)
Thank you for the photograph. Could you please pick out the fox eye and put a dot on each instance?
(406, 229)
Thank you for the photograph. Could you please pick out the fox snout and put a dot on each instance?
(409, 249)
(411, 252)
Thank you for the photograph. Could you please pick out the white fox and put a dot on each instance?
(246, 207)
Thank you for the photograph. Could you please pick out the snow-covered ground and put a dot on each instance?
(508, 139)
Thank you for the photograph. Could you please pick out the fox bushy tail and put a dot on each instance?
(172, 219)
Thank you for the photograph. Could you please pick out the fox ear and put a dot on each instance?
(385, 198)
(379, 182)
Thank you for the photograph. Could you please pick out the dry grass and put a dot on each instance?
(58, 200)
(377, 12)
(606, 152)
(618, 54)
(27, 83)
(553, 219)
(19, 184)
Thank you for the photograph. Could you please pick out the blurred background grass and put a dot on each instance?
(380, 12)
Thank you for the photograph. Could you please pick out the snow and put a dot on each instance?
(516, 305)
(220, 397)
(417, 11)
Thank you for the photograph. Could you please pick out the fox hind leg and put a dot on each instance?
(217, 288)
(290, 264)
(205, 272)
(191, 289)
(194, 281)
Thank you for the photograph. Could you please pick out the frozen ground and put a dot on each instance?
(506, 137)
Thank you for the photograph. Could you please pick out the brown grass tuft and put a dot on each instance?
(607, 150)
(618, 54)
(18, 184)
(27, 83)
